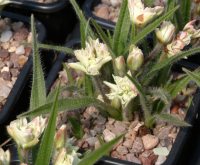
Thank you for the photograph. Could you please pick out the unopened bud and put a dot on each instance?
(120, 65)
(135, 58)
(61, 137)
(116, 103)
(166, 32)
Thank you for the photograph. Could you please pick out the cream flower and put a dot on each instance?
(92, 58)
(141, 15)
(66, 159)
(124, 89)
(4, 157)
(166, 32)
(189, 27)
(135, 58)
(184, 37)
(25, 134)
(4, 2)
(175, 47)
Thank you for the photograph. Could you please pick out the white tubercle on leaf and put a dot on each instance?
(92, 58)
(25, 134)
(4, 157)
(140, 15)
(166, 32)
(124, 89)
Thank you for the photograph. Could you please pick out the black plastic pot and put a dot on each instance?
(9, 110)
(184, 133)
(88, 7)
(39, 7)
(58, 17)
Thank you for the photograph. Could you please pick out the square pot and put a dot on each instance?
(184, 132)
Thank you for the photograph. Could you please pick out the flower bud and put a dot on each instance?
(166, 32)
(61, 137)
(116, 103)
(4, 157)
(120, 65)
(135, 58)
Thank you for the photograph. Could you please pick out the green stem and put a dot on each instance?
(154, 52)
(20, 155)
(99, 87)
(133, 32)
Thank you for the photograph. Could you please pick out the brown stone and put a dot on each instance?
(21, 34)
(122, 150)
(6, 75)
(150, 141)
(22, 60)
(14, 59)
(102, 11)
(27, 51)
(148, 158)
(14, 72)
(138, 146)
(132, 158)
(4, 54)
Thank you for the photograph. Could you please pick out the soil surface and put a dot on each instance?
(13, 54)
(140, 144)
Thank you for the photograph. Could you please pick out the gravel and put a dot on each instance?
(13, 55)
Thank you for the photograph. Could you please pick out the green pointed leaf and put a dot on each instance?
(69, 75)
(177, 86)
(47, 143)
(173, 59)
(121, 29)
(89, 91)
(143, 99)
(76, 127)
(194, 76)
(170, 5)
(83, 37)
(151, 27)
(38, 92)
(68, 104)
(92, 157)
(162, 94)
(101, 33)
(172, 120)
(56, 48)
(82, 19)
(185, 9)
